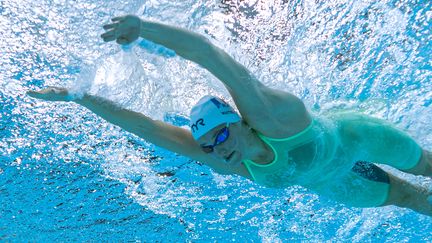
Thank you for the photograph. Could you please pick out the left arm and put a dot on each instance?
(266, 110)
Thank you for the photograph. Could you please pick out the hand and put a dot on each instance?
(51, 94)
(124, 30)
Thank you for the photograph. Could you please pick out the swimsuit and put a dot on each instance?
(329, 157)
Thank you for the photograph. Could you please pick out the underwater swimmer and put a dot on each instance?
(274, 141)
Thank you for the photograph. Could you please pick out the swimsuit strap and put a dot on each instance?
(281, 148)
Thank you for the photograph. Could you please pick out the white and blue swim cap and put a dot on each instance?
(209, 113)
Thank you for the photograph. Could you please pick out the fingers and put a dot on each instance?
(120, 18)
(110, 26)
(109, 36)
(33, 94)
(112, 31)
(30, 93)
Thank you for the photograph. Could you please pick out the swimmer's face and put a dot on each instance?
(223, 143)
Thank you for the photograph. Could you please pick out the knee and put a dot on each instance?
(407, 195)
(424, 166)
(427, 156)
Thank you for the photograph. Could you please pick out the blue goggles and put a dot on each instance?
(221, 137)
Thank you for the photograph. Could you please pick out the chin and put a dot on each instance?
(235, 160)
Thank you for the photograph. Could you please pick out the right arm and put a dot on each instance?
(159, 133)
(175, 139)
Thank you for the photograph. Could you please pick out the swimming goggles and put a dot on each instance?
(221, 137)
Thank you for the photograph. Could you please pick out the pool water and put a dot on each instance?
(67, 175)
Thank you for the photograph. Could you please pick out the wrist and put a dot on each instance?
(74, 96)
(141, 28)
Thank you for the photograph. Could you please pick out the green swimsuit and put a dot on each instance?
(328, 158)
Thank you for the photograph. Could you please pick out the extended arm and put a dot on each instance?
(261, 106)
(161, 134)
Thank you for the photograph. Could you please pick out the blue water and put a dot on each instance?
(67, 175)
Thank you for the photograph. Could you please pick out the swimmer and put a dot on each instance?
(273, 140)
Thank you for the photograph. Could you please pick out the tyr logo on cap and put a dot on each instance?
(194, 126)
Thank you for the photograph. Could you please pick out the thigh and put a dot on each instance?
(365, 186)
(375, 140)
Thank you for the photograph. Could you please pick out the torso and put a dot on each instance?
(289, 156)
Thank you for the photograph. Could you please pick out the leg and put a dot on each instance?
(407, 195)
(367, 185)
(374, 140)
(424, 167)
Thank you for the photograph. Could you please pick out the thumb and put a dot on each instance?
(123, 41)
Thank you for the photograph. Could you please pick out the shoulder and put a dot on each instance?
(286, 115)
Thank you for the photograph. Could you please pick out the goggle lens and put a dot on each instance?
(221, 137)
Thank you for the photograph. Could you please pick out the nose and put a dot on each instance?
(221, 150)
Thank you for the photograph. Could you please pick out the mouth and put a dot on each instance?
(228, 159)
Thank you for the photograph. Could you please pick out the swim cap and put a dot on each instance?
(209, 113)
